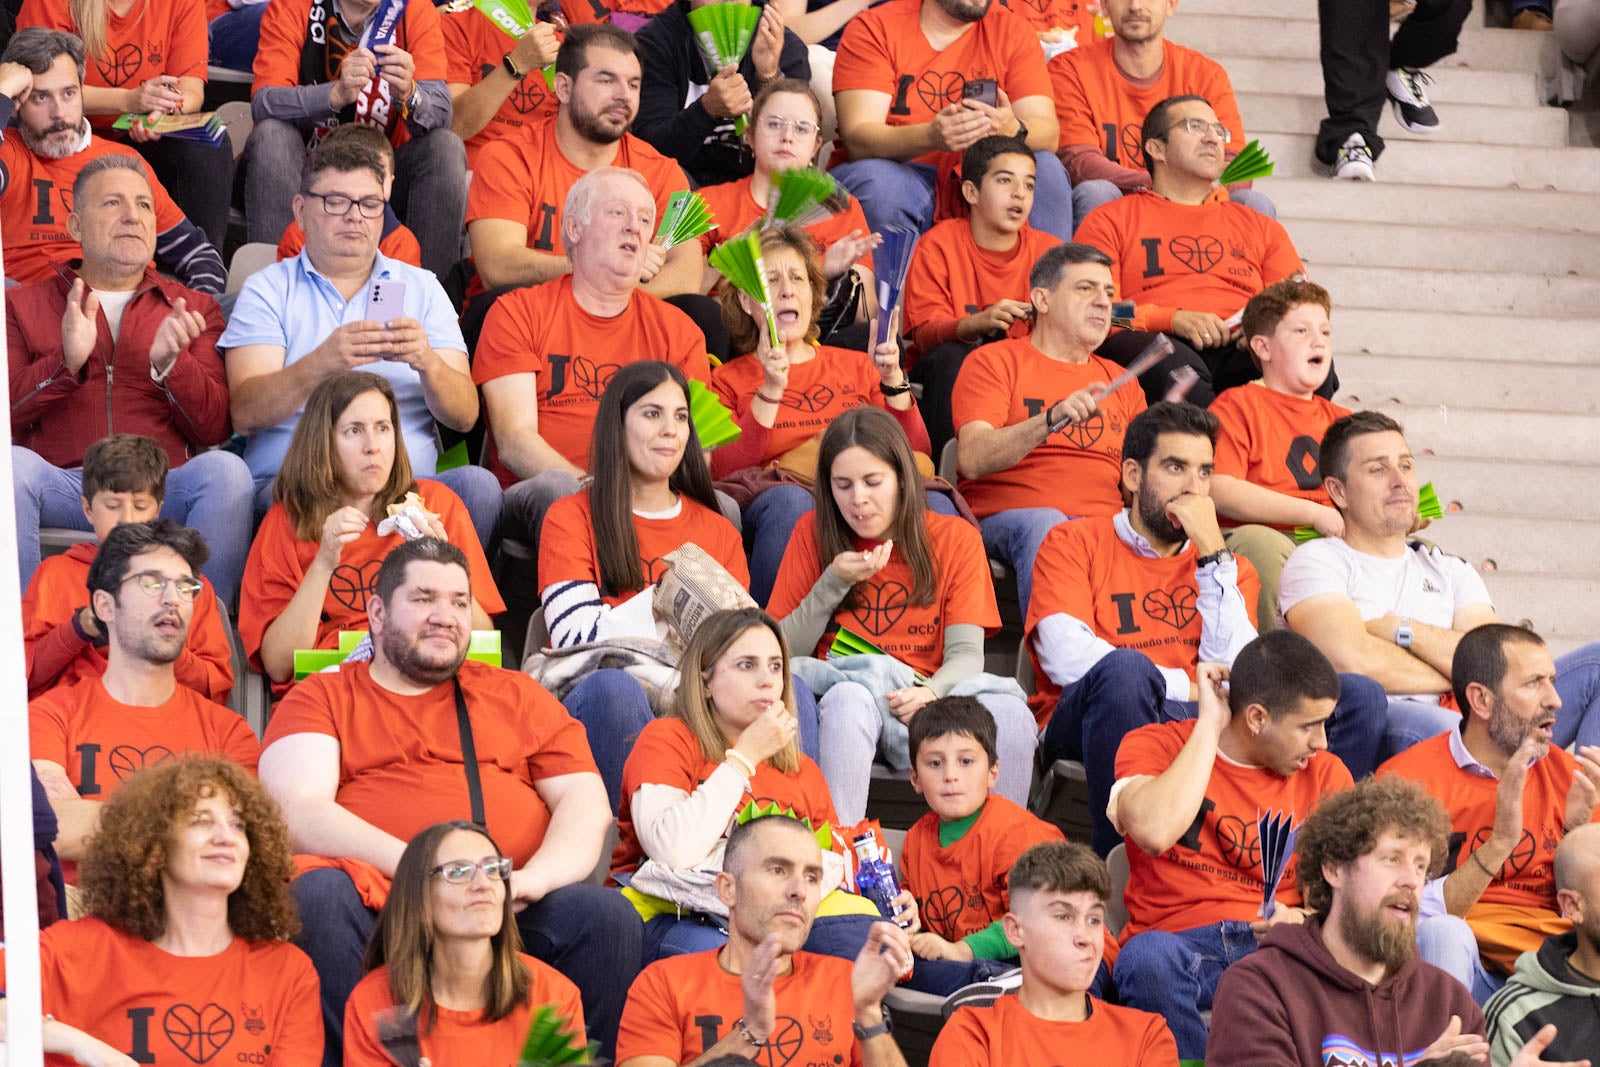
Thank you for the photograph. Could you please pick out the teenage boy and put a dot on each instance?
(968, 281)
(124, 480)
(1267, 479)
(1057, 922)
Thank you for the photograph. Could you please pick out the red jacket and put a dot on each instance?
(59, 415)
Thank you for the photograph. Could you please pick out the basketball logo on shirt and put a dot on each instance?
(1199, 253)
(199, 1033)
(813, 400)
(939, 89)
(1176, 607)
(351, 586)
(1086, 434)
(1239, 842)
(1131, 140)
(783, 1044)
(881, 607)
(120, 67)
(126, 760)
(1521, 854)
(527, 97)
(942, 908)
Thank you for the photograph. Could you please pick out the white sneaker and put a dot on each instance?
(1354, 162)
(1407, 92)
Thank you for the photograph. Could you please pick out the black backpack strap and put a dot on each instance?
(469, 755)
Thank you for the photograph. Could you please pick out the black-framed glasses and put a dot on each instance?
(155, 585)
(337, 204)
(1200, 127)
(458, 872)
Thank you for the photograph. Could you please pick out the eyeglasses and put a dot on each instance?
(777, 127)
(371, 207)
(1200, 127)
(155, 585)
(462, 871)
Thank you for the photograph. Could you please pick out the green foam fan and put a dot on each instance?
(724, 33)
(1250, 164)
(1428, 507)
(847, 642)
(804, 195)
(513, 16)
(686, 218)
(713, 422)
(553, 1041)
(739, 261)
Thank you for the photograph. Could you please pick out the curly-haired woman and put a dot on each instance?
(183, 956)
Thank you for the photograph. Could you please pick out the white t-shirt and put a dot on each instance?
(114, 303)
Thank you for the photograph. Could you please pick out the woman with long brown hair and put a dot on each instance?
(873, 560)
(446, 975)
(317, 552)
(186, 888)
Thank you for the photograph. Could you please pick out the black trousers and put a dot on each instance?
(1218, 368)
(936, 370)
(1357, 56)
(199, 178)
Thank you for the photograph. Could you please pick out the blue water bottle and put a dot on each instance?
(875, 877)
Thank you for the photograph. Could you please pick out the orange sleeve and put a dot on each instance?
(460, 54)
(1148, 750)
(1061, 579)
(798, 571)
(188, 41)
(502, 184)
(49, 641)
(1278, 259)
(931, 307)
(1025, 74)
(666, 753)
(689, 348)
(425, 41)
(307, 709)
(567, 553)
(272, 574)
(205, 663)
(563, 745)
(962, 1042)
(239, 741)
(509, 342)
(967, 586)
(458, 525)
(650, 1018)
(47, 728)
(983, 389)
(1073, 109)
(862, 60)
(292, 241)
(402, 244)
(283, 35)
(724, 543)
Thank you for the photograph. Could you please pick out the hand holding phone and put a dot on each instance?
(983, 90)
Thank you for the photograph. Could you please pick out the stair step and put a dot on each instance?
(1358, 242)
(1467, 292)
(1433, 333)
(1568, 388)
(1575, 170)
(1555, 547)
(1483, 433)
(1303, 77)
(1532, 126)
(1525, 210)
(1564, 610)
(1479, 48)
(1504, 487)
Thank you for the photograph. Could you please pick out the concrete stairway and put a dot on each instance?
(1466, 287)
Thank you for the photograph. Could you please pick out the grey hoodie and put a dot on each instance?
(1545, 990)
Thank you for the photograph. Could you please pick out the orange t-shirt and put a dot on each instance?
(474, 48)
(1077, 469)
(526, 180)
(283, 39)
(667, 753)
(279, 560)
(460, 1037)
(1046, 15)
(254, 1002)
(1193, 257)
(1006, 1034)
(1527, 878)
(567, 553)
(531, 331)
(1273, 440)
(1131, 601)
(884, 50)
(962, 889)
(152, 39)
(38, 198)
(57, 657)
(1213, 873)
(951, 277)
(831, 382)
(1096, 104)
(683, 1005)
(395, 746)
(399, 243)
(734, 209)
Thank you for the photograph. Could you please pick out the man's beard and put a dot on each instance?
(590, 128)
(52, 143)
(965, 10)
(1153, 513)
(1507, 730)
(1376, 937)
(414, 666)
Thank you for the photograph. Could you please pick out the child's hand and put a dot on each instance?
(907, 920)
(930, 946)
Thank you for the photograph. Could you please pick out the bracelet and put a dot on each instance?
(763, 396)
(1484, 867)
(894, 390)
(744, 1032)
(740, 763)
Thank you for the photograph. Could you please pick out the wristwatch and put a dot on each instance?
(511, 68)
(1216, 557)
(867, 1033)
(1022, 132)
(1402, 634)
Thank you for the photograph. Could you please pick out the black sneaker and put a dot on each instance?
(982, 994)
(1405, 86)
(1354, 161)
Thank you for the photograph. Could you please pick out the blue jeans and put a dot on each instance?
(1014, 535)
(1578, 682)
(478, 489)
(235, 37)
(210, 493)
(1175, 975)
(1125, 691)
(613, 708)
(1097, 192)
(901, 194)
(587, 932)
(1447, 942)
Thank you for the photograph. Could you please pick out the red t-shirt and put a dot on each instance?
(1213, 873)
(474, 48)
(462, 1037)
(884, 50)
(531, 331)
(526, 180)
(1006, 1034)
(399, 243)
(400, 762)
(254, 1002)
(912, 633)
(668, 753)
(567, 550)
(1047, 15)
(951, 277)
(1077, 469)
(279, 560)
(734, 209)
(38, 199)
(58, 657)
(152, 39)
(683, 1005)
(1131, 601)
(962, 889)
(1193, 257)
(1273, 440)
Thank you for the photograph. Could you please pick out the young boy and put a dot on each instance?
(968, 281)
(124, 480)
(1267, 480)
(1057, 921)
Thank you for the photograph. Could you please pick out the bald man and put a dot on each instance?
(1560, 983)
